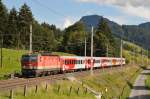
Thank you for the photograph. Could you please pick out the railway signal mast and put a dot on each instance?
(121, 49)
(85, 46)
(147, 57)
(30, 38)
(142, 56)
(92, 51)
(1, 50)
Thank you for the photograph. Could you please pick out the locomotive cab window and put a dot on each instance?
(32, 58)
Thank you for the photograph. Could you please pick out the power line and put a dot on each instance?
(49, 9)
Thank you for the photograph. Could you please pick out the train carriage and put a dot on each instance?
(72, 63)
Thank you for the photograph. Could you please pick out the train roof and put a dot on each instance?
(86, 57)
(39, 54)
(49, 54)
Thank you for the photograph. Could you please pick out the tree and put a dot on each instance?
(25, 19)
(74, 38)
(3, 20)
(104, 39)
(100, 44)
(12, 28)
(49, 41)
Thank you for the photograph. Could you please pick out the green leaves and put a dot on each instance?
(74, 37)
(25, 19)
(12, 28)
(3, 17)
(16, 26)
(104, 41)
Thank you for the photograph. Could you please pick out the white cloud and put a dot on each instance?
(120, 2)
(139, 11)
(119, 19)
(67, 22)
(138, 8)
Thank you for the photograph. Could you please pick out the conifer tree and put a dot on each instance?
(25, 19)
(104, 39)
(74, 38)
(3, 21)
(12, 29)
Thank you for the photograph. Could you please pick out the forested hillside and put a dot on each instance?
(140, 34)
(15, 31)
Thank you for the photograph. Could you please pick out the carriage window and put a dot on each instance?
(65, 62)
(70, 61)
(96, 61)
(78, 61)
(83, 61)
(89, 61)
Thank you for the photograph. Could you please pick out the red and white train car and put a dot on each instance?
(44, 64)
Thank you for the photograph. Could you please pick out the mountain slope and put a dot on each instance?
(140, 34)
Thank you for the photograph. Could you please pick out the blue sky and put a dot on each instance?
(63, 13)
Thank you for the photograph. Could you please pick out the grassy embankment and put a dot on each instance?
(11, 61)
(147, 82)
(52, 92)
(118, 83)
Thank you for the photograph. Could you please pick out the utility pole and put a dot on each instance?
(147, 58)
(85, 48)
(31, 38)
(107, 51)
(133, 55)
(18, 40)
(1, 50)
(135, 59)
(92, 51)
(142, 55)
(121, 48)
(121, 52)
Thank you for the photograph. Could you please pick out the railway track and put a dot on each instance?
(21, 82)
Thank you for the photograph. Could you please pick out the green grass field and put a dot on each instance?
(11, 61)
(118, 83)
(147, 82)
(52, 92)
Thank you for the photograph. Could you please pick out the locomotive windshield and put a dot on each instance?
(29, 58)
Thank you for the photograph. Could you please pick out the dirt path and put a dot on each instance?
(139, 90)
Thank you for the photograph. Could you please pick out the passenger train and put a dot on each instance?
(45, 64)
